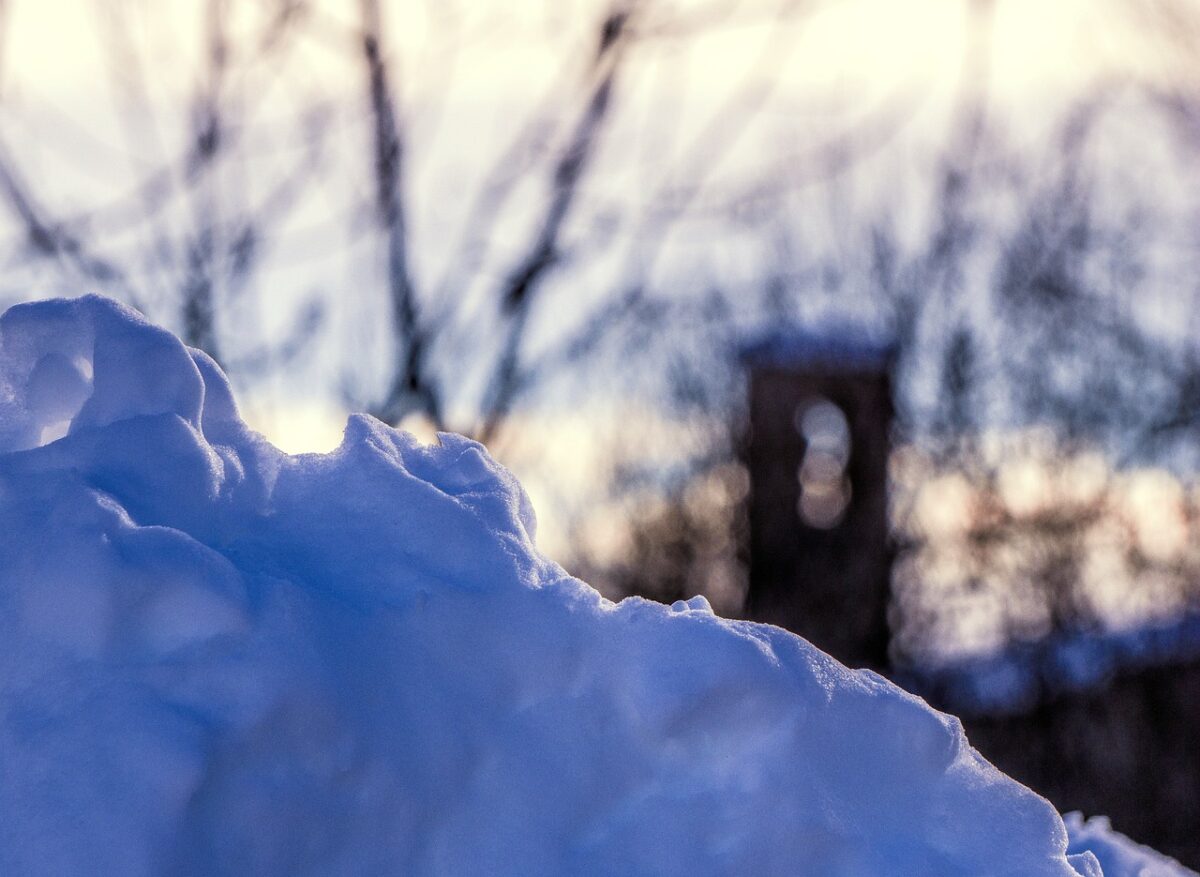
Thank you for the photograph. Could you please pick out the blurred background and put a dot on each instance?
(876, 320)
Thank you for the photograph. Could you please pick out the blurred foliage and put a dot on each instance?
(1035, 538)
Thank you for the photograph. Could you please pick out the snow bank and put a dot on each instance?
(1116, 854)
(218, 658)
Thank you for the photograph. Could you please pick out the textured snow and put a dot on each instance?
(217, 658)
(1116, 854)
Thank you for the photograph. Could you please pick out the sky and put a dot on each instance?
(752, 88)
(1038, 46)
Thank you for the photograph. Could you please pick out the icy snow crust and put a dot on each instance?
(218, 658)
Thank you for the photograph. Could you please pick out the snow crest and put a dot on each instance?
(217, 658)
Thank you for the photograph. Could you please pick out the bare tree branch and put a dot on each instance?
(518, 294)
(199, 291)
(510, 167)
(717, 139)
(50, 240)
(410, 379)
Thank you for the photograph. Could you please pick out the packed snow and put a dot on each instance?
(218, 658)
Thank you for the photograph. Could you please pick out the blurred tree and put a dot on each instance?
(1033, 271)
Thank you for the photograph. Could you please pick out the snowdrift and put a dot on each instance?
(218, 658)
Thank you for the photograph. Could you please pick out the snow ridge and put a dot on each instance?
(218, 658)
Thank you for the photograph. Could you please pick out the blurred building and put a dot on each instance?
(816, 449)
(1102, 722)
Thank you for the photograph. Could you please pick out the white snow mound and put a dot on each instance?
(216, 658)
(1117, 855)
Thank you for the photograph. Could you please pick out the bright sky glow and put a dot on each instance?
(863, 44)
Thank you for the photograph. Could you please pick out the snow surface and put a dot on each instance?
(1116, 854)
(218, 658)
